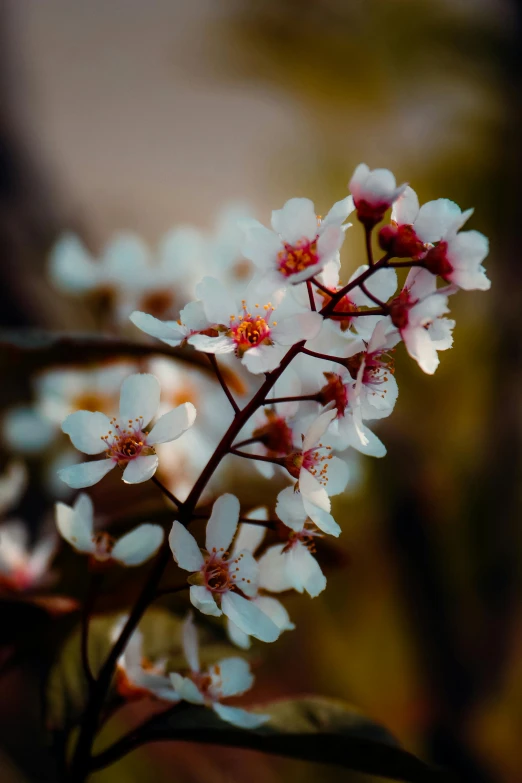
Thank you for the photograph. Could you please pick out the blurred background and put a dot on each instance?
(134, 116)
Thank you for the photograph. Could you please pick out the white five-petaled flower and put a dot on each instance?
(249, 538)
(291, 565)
(299, 244)
(373, 193)
(22, 567)
(76, 525)
(124, 440)
(228, 677)
(222, 583)
(432, 232)
(375, 387)
(136, 676)
(319, 474)
(417, 314)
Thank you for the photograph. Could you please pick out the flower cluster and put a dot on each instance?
(321, 356)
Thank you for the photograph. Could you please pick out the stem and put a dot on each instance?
(324, 356)
(374, 299)
(369, 250)
(258, 457)
(321, 287)
(303, 398)
(328, 308)
(166, 491)
(311, 296)
(405, 264)
(246, 442)
(214, 362)
(80, 765)
(344, 316)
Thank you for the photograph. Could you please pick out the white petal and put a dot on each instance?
(406, 208)
(238, 717)
(203, 600)
(247, 616)
(420, 347)
(337, 476)
(222, 524)
(435, 218)
(71, 267)
(296, 220)
(218, 303)
(190, 642)
(183, 545)
(261, 246)
(86, 431)
(317, 429)
(322, 519)
(76, 528)
(272, 574)
(312, 491)
(328, 245)
(186, 689)
(140, 469)
(86, 473)
(202, 342)
(139, 398)
(169, 332)
(246, 573)
(290, 509)
(276, 611)
(249, 537)
(234, 676)
(305, 570)
(301, 326)
(137, 546)
(172, 424)
(237, 636)
(263, 358)
(339, 212)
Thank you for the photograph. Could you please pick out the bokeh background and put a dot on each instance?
(143, 115)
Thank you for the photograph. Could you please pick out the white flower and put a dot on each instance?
(375, 388)
(136, 676)
(76, 525)
(373, 193)
(291, 565)
(299, 244)
(249, 538)
(456, 257)
(318, 473)
(228, 677)
(222, 583)
(250, 331)
(125, 440)
(417, 314)
(192, 319)
(21, 567)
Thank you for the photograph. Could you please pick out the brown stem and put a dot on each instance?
(155, 480)
(374, 299)
(258, 457)
(246, 442)
(368, 241)
(329, 307)
(311, 295)
(214, 362)
(302, 398)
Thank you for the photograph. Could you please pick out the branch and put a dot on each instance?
(369, 251)
(258, 457)
(311, 296)
(374, 299)
(213, 361)
(302, 398)
(380, 264)
(155, 480)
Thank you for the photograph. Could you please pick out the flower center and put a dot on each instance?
(252, 329)
(399, 308)
(104, 544)
(296, 258)
(306, 536)
(437, 262)
(315, 461)
(125, 444)
(335, 391)
(221, 575)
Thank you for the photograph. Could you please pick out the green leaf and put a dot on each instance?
(311, 729)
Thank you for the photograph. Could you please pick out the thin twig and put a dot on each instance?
(321, 287)
(369, 250)
(259, 457)
(166, 491)
(246, 442)
(302, 398)
(374, 299)
(214, 362)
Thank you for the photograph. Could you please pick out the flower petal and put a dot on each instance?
(137, 546)
(75, 525)
(169, 332)
(140, 469)
(234, 677)
(203, 600)
(305, 571)
(186, 689)
(261, 245)
(238, 717)
(406, 208)
(245, 573)
(337, 476)
(290, 509)
(249, 537)
(301, 326)
(237, 636)
(139, 398)
(276, 611)
(202, 342)
(86, 431)
(263, 358)
(248, 617)
(222, 524)
(317, 429)
(272, 575)
(86, 473)
(296, 220)
(184, 548)
(339, 212)
(172, 424)
(219, 304)
(189, 638)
